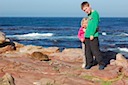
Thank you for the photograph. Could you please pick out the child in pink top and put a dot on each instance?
(81, 37)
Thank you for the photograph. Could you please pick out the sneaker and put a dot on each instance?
(83, 65)
(101, 67)
(88, 66)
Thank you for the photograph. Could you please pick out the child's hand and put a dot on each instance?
(84, 29)
(82, 40)
(91, 37)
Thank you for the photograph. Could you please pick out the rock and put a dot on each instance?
(62, 80)
(5, 41)
(7, 79)
(6, 44)
(69, 55)
(44, 81)
(106, 74)
(6, 48)
(18, 45)
(2, 37)
(64, 68)
(14, 54)
(39, 56)
(119, 82)
(31, 48)
(120, 61)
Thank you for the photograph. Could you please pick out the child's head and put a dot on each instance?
(84, 22)
(85, 6)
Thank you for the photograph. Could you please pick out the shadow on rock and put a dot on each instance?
(8, 42)
(108, 55)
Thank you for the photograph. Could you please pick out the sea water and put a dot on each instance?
(62, 32)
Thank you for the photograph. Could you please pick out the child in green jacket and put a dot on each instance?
(91, 37)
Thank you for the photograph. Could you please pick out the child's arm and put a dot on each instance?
(81, 34)
(94, 25)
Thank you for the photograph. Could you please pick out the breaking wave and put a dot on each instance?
(31, 36)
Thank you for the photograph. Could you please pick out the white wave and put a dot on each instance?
(123, 34)
(118, 49)
(66, 37)
(104, 33)
(34, 36)
(123, 49)
(31, 36)
(112, 49)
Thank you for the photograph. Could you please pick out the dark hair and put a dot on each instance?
(84, 4)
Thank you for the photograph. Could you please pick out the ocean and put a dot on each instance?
(62, 32)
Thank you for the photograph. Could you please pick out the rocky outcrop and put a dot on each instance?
(28, 68)
(39, 56)
(120, 61)
(2, 37)
(36, 65)
(7, 79)
(69, 55)
(31, 48)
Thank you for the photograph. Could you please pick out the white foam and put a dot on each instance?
(112, 49)
(37, 34)
(123, 34)
(32, 36)
(66, 37)
(123, 49)
(104, 33)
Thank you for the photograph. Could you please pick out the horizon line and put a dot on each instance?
(58, 17)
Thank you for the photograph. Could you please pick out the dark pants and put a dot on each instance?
(92, 49)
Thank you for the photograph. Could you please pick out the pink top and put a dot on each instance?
(81, 33)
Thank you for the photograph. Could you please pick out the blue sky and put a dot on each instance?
(61, 8)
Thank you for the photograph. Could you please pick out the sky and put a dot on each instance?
(61, 8)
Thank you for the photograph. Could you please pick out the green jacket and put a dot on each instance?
(93, 22)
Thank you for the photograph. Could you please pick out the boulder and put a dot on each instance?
(69, 55)
(2, 37)
(120, 61)
(7, 79)
(39, 56)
